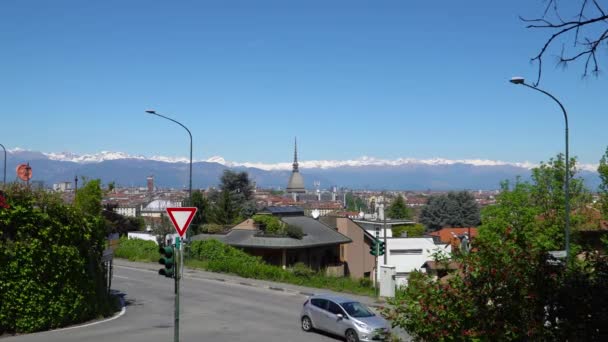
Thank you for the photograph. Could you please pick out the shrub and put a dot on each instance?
(416, 230)
(294, 232)
(269, 224)
(51, 273)
(137, 250)
(300, 269)
(212, 228)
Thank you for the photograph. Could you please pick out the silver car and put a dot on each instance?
(344, 317)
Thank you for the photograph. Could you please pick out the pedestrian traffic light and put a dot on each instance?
(381, 247)
(168, 260)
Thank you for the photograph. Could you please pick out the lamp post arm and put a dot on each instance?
(567, 173)
(189, 134)
(554, 99)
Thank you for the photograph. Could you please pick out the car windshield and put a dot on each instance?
(356, 309)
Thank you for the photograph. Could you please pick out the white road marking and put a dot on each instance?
(122, 312)
(121, 277)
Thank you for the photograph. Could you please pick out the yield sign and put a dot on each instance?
(181, 218)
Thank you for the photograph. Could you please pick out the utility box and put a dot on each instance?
(387, 281)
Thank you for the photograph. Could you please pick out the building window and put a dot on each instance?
(406, 251)
(402, 274)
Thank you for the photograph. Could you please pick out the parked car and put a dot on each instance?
(344, 317)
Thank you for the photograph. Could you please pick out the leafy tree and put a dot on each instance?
(202, 213)
(506, 289)
(398, 210)
(51, 273)
(456, 209)
(355, 203)
(586, 26)
(602, 170)
(234, 201)
(225, 211)
(88, 198)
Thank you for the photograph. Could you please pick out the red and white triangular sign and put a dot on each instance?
(181, 218)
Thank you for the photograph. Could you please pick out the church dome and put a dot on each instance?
(296, 183)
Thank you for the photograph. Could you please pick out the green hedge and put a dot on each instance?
(51, 273)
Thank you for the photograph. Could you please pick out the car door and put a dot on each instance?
(335, 324)
(318, 312)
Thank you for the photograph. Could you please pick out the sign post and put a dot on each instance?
(181, 218)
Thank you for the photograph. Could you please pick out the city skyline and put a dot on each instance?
(349, 79)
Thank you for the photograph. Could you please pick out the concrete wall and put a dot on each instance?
(355, 254)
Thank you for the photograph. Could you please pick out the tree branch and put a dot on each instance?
(561, 29)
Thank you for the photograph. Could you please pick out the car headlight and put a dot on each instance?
(362, 325)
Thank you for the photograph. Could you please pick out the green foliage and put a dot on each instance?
(398, 210)
(505, 288)
(51, 273)
(272, 225)
(355, 203)
(456, 209)
(214, 256)
(202, 213)
(416, 230)
(235, 200)
(212, 228)
(299, 269)
(88, 197)
(269, 224)
(137, 250)
(294, 232)
(602, 170)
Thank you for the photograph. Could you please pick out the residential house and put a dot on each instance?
(358, 262)
(409, 255)
(319, 247)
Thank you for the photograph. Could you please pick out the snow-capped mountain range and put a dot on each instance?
(360, 173)
(305, 164)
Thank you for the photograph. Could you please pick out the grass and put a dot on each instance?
(215, 256)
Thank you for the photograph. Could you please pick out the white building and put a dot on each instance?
(169, 238)
(409, 254)
(126, 211)
(62, 186)
(158, 207)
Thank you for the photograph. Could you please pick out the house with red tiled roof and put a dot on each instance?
(446, 235)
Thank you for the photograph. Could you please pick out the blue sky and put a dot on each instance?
(387, 79)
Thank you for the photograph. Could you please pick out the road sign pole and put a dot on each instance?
(181, 218)
(177, 275)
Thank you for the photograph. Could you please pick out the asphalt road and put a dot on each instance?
(210, 311)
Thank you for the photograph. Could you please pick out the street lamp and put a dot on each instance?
(521, 80)
(190, 134)
(4, 179)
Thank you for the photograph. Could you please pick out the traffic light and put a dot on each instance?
(373, 248)
(168, 260)
(381, 247)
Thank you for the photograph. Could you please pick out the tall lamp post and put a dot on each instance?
(521, 80)
(4, 179)
(190, 134)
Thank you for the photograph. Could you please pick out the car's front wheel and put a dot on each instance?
(306, 324)
(351, 336)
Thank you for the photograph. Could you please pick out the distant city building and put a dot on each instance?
(127, 211)
(62, 186)
(296, 182)
(150, 182)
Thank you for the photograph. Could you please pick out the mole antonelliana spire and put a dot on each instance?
(296, 182)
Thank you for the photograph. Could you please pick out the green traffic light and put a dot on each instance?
(167, 260)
